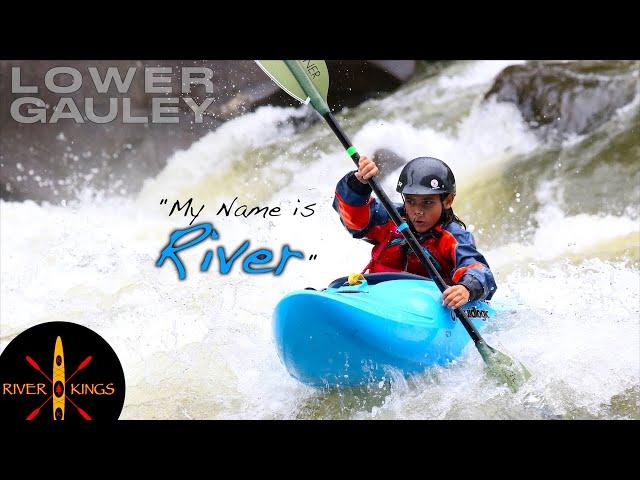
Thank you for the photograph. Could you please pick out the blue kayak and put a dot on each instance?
(348, 335)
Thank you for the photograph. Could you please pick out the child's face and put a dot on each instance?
(424, 210)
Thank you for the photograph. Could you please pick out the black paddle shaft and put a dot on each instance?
(406, 232)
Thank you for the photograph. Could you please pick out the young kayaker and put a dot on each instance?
(428, 188)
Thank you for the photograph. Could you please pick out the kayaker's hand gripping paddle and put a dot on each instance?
(308, 81)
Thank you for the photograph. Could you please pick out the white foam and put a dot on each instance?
(213, 154)
(203, 348)
(475, 73)
(559, 235)
(487, 139)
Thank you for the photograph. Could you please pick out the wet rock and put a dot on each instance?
(562, 98)
(388, 161)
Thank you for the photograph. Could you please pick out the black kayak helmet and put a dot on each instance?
(426, 176)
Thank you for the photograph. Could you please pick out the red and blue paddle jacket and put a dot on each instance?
(449, 246)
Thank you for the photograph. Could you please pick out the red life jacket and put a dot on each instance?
(451, 247)
(392, 253)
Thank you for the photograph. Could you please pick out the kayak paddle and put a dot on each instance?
(308, 81)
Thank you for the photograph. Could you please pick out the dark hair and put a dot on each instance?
(448, 216)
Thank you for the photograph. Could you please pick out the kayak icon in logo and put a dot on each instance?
(60, 372)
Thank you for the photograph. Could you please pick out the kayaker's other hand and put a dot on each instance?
(366, 169)
(455, 296)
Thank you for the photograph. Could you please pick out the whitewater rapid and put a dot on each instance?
(202, 348)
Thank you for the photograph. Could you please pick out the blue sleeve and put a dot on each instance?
(359, 212)
(471, 268)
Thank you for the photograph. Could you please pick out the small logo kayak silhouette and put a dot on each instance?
(84, 380)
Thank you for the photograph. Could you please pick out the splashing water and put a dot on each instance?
(567, 269)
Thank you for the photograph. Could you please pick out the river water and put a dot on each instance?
(557, 221)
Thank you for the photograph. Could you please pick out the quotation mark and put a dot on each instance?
(313, 257)
(163, 201)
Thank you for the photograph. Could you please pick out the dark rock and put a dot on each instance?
(53, 161)
(387, 161)
(561, 98)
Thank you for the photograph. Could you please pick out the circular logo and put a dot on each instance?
(58, 373)
(434, 183)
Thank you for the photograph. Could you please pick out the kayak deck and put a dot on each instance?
(349, 335)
